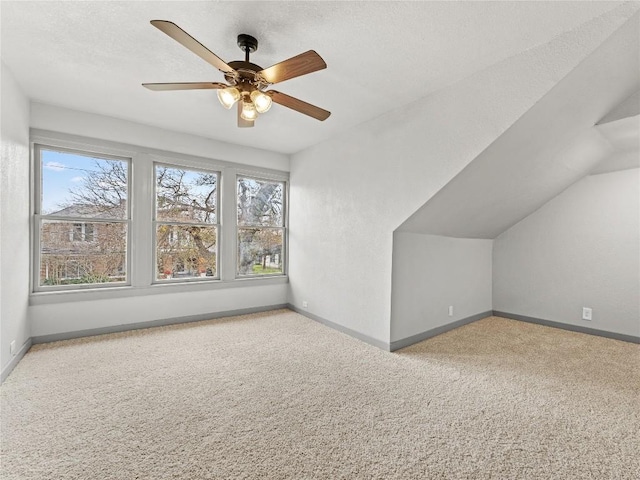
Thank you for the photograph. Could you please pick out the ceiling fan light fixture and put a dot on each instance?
(261, 101)
(246, 81)
(228, 96)
(249, 112)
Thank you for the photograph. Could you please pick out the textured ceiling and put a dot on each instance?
(550, 147)
(93, 56)
(624, 137)
(628, 108)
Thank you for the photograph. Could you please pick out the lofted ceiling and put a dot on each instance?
(92, 56)
(553, 145)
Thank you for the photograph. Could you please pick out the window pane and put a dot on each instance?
(260, 202)
(75, 185)
(186, 251)
(259, 251)
(82, 253)
(186, 195)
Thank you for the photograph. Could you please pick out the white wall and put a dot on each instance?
(74, 122)
(14, 216)
(580, 249)
(85, 315)
(93, 311)
(432, 272)
(350, 193)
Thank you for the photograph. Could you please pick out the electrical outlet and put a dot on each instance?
(305, 304)
(586, 313)
(451, 310)
(12, 347)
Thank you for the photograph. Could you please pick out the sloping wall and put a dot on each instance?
(551, 147)
(630, 107)
(581, 249)
(350, 193)
(14, 217)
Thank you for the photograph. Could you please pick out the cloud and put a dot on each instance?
(76, 179)
(57, 166)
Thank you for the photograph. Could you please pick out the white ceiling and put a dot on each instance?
(624, 137)
(93, 56)
(553, 145)
(628, 108)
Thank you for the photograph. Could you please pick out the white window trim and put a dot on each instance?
(39, 218)
(157, 222)
(141, 221)
(284, 227)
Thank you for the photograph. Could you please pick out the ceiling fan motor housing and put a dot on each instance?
(244, 77)
(247, 42)
(246, 71)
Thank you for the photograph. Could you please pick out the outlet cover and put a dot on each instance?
(587, 314)
(305, 304)
(12, 347)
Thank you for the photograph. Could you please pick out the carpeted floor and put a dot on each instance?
(276, 395)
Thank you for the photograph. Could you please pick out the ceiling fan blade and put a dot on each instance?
(302, 64)
(182, 37)
(242, 123)
(184, 86)
(298, 105)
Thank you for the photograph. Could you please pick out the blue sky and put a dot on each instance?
(61, 172)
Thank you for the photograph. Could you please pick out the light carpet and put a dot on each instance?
(275, 395)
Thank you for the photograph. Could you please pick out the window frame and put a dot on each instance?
(83, 233)
(284, 227)
(39, 218)
(141, 205)
(155, 222)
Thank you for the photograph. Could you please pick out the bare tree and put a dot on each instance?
(91, 250)
(260, 205)
(103, 188)
(186, 206)
(184, 200)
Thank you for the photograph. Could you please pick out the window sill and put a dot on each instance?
(89, 294)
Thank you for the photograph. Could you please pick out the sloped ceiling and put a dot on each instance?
(550, 147)
(627, 108)
(624, 137)
(93, 56)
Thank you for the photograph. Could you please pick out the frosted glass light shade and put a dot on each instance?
(261, 101)
(228, 96)
(249, 111)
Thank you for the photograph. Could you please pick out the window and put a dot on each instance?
(143, 221)
(261, 226)
(82, 218)
(82, 232)
(186, 223)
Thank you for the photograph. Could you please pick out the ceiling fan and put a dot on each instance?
(247, 82)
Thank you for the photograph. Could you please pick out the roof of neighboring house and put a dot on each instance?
(93, 211)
